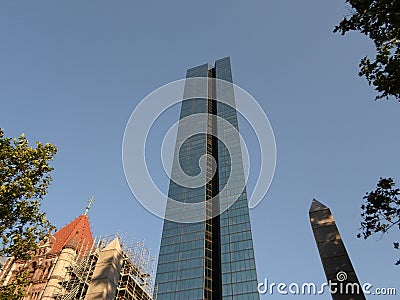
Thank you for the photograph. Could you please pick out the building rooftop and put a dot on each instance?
(78, 231)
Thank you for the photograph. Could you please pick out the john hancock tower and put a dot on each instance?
(206, 249)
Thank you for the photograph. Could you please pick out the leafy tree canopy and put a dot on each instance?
(24, 179)
(380, 21)
(381, 210)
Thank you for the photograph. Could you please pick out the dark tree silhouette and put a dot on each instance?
(381, 211)
(380, 21)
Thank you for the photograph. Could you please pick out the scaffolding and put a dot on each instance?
(136, 278)
(137, 273)
(78, 274)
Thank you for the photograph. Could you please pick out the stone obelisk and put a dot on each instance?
(339, 271)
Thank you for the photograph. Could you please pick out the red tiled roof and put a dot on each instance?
(78, 230)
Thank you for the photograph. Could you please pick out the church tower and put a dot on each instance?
(46, 268)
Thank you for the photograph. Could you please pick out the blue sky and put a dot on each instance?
(72, 72)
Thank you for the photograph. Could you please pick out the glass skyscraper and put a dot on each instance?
(211, 258)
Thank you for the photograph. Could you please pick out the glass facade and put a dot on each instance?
(211, 259)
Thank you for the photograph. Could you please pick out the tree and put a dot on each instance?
(15, 290)
(381, 212)
(380, 21)
(24, 179)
